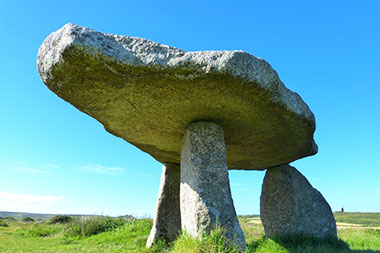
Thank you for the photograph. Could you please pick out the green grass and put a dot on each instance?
(366, 219)
(105, 234)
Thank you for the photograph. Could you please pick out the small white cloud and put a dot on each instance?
(29, 198)
(100, 169)
(54, 166)
(20, 202)
(31, 170)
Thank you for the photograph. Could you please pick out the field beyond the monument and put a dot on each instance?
(357, 232)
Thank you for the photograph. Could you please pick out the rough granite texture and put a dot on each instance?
(167, 219)
(205, 194)
(290, 205)
(147, 93)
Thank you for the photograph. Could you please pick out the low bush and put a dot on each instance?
(3, 223)
(27, 219)
(88, 225)
(61, 219)
(10, 219)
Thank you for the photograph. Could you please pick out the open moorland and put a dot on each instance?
(357, 232)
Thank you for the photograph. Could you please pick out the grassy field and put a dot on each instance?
(359, 233)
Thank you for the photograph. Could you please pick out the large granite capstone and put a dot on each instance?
(148, 93)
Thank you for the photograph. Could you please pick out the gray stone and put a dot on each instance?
(167, 219)
(206, 200)
(290, 205)
(147, 93)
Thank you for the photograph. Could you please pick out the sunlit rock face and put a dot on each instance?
(205, 195)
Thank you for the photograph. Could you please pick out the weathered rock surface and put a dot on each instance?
(290, 205)
(206, 200)
(147, 94)
(167, 219)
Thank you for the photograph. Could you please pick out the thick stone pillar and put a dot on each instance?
(167, 219)
(206, 200)
(290, 205)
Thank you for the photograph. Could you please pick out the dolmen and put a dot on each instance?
(199, 114)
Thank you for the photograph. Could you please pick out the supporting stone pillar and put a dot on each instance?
(290, 205)
(206, 200)
(167, 219)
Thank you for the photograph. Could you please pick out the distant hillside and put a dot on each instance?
(42, 216)
(366, 219)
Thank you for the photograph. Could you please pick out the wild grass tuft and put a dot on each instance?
(86, 226)
(211, 242)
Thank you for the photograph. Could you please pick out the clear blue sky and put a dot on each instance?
(54, 158)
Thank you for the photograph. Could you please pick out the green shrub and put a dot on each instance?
(61, 219)
(27, 219)
(87, 226)
(3, 223)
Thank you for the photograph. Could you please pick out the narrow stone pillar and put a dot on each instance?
(167, 219)
(206, 200)
(290, 205)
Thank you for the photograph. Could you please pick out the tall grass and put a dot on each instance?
(211, 242)
(86, 226)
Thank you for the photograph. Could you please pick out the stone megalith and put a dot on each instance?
(167, 219)
(151, 95)
(206, 200)
(290, 206)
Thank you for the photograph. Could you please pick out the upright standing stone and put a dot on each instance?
(290, 205)
(167, 220)
(205, 188)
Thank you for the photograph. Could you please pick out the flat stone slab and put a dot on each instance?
(147, 93)
(290, 206)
